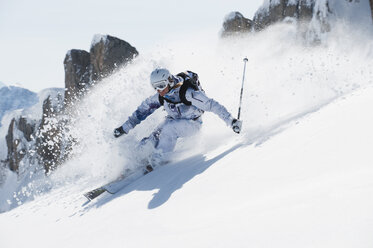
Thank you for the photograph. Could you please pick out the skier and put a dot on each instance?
(185, 101)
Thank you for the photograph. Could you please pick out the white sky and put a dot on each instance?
(35, 35)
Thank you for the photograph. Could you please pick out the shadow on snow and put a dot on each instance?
(167, 179)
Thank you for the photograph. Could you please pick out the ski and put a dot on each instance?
(94, 193)
(118, 184)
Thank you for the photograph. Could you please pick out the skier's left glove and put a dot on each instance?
(236, 125)
(119, 132)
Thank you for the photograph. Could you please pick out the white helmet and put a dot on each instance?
(161, 78)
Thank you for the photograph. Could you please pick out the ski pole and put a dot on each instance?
(243, 81)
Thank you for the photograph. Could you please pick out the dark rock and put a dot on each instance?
(12, 148)
(77, 73)
(301, 11)
(236, 23)
(291, 9)
(49, 142)
(83, 69)
(49, 137)
(305, 10)
(276, 11)
(27, 141)
(261, 20)
(17, 141)
(268, 16)
(107, 54)
(26, 128)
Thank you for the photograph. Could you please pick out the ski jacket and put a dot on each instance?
(176, 109)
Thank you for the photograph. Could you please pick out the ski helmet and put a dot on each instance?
(161, 78)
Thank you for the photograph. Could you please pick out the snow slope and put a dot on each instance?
(299, 174)
(307, 186)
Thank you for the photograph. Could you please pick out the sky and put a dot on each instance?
(35, 35)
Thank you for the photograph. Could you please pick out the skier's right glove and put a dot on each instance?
(236, 125)
(119, 132)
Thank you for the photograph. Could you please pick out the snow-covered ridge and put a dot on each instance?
(12, 98)
(25, 104)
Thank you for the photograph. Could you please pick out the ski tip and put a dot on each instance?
(86, 195)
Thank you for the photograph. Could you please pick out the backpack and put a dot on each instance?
(189, 82)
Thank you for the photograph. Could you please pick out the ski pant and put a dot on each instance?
(163, 139)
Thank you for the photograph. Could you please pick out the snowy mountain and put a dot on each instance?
(12, 98)
(16, 104)
(2, 84)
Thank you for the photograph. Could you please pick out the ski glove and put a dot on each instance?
(119, 132)
(236, 125)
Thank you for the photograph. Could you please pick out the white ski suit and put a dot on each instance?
(181, 120)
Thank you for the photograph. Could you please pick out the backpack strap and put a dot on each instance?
(161, 99)
(182, 93)
(189, 82)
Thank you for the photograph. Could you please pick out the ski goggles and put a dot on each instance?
(160, 85)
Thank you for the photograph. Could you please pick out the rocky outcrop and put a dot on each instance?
(49, 136)
(32, 140)
(305, 9)
(20, 133)
(236, 23)
(47, 140)
(107, 54)
(83, 69)
(280, 10)
(77, 73)
(302, 12)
